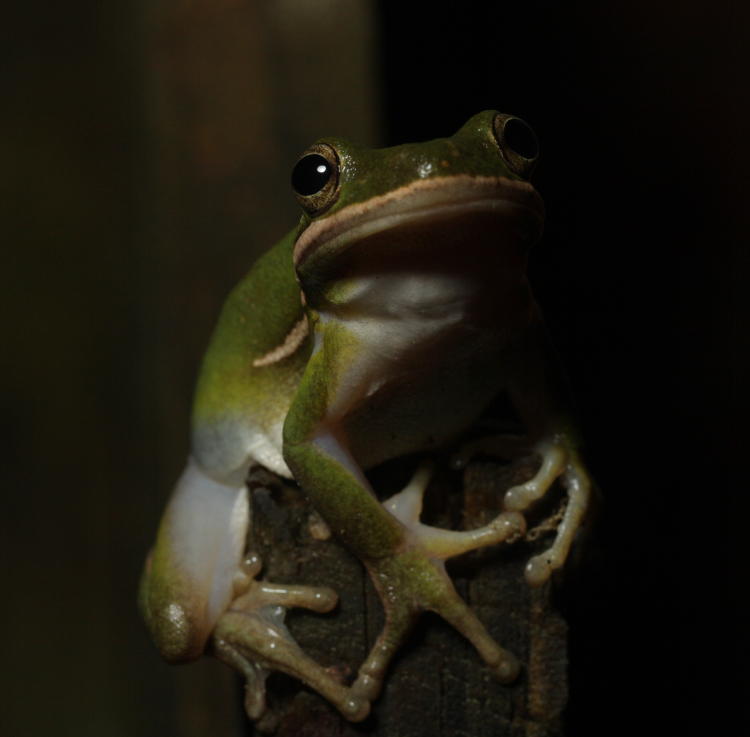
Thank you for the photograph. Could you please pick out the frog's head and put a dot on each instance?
(469, 191)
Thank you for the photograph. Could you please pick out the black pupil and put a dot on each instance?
(519, 136)
(310, 174)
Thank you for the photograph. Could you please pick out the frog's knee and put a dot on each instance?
(175, 626)
(189, 577)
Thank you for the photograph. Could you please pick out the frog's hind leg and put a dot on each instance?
(188, 579)
(424, 564)
(252, 638)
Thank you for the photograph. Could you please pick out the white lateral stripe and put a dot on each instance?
(411, 199)
(293, 340)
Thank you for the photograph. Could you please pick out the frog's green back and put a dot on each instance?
(251, 369)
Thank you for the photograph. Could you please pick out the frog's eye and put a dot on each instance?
(315, 178)
(517, 143)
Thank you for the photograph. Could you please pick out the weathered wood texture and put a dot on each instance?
(438, 686)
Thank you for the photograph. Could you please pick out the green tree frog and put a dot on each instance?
(382, 325)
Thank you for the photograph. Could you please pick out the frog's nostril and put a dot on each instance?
(519, 136)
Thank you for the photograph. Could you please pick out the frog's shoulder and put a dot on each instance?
(263, 305)
(255, 358)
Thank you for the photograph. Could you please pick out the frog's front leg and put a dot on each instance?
(404, 557)
(436, 545)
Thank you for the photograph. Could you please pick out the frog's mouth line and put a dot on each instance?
(422, 200)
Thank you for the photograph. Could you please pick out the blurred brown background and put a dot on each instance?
(145, 151)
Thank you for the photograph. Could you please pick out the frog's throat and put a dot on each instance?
(420, 200)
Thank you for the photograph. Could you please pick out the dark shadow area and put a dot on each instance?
(640, 113)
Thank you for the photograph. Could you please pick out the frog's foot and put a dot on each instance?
(414, 580)
(559, 460)
(252, 638)
(255, 675)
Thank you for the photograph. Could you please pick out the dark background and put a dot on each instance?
(642, 111)
(116, 256)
